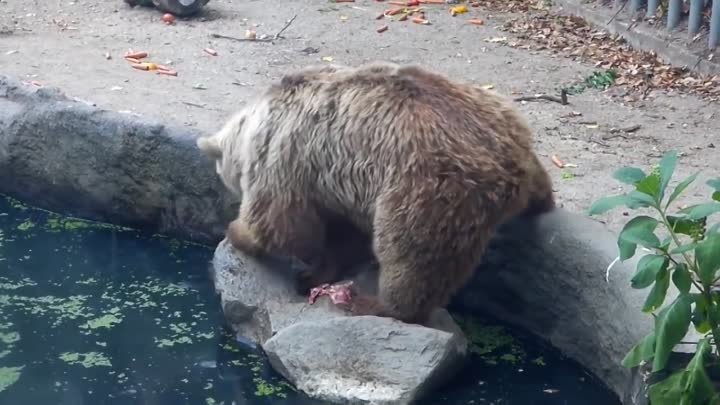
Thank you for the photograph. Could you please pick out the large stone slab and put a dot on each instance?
(66, 155)
(324, 352)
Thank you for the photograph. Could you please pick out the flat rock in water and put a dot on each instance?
(326, 353)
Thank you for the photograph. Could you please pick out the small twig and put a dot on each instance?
(593, 140)
(193, 104)
(615, 135)
(277, 36)
(241, 39)
(560, 100)
(620, 132)
(618, 12)
(269, 39)
(631, 128)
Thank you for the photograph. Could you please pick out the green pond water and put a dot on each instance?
(96, 314)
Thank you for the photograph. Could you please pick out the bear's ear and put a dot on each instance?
(211, 146)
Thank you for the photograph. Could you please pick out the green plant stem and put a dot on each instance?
(692, 280)
(711, 316)
(705, 290)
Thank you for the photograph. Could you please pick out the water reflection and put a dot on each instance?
(95, 314)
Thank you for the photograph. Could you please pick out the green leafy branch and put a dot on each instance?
(689, 258)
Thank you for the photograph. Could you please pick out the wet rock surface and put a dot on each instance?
(324, 352)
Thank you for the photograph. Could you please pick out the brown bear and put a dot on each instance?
(420, 170)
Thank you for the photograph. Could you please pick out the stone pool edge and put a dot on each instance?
(66, 155)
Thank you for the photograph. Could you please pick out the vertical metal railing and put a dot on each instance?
(715, 24)
(674, 12)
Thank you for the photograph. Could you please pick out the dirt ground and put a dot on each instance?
(64, 43)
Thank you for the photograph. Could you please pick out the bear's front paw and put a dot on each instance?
(365, 305)
(242, 239)
(305, 281)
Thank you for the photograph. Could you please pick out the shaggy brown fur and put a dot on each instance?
(423, 167)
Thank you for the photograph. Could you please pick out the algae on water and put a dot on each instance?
(9, 376)
(491, 342)
(87, 360)
(80, 298)
(105, 321)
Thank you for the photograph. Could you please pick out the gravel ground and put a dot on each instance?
(64, 43)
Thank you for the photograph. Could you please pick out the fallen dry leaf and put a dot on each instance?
(639, 72)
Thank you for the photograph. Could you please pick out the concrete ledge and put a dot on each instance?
(671, 47)
(65, 155)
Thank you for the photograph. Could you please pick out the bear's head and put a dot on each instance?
(231, 146)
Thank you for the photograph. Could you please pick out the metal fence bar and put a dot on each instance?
(674, 14)
(652, 8)
(696, 19)
(635, 5)
(696, 9)
(714, 25)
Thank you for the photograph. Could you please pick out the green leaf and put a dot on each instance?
(627, 249)
(667, 168)
(628, 239)
(650, 186)
(680, 188)
(648, 268)
(641, 231)
(629, 175)
(668, 391)
(643, 351)
(658, 292)
(605, 204)
(690, 386)
(707, 255)
(701, 210)
(671, 325)
(681, 278)
(700, 316)
(693, 228)
(638, 199)
(665, 244)
(716, 196)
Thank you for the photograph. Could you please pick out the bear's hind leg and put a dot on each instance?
(427, 249)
